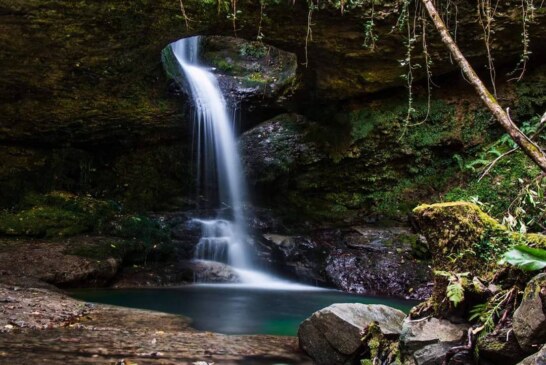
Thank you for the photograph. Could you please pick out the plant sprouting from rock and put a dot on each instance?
(455, 286)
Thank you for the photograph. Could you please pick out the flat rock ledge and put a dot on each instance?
(41, 326)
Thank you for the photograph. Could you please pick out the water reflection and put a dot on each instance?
(233, 310)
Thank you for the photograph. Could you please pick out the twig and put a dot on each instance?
(540, 128)
(490, 166)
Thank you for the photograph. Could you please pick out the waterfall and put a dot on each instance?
(218, 160)
(219, 165)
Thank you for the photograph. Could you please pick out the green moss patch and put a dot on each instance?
(57, 214)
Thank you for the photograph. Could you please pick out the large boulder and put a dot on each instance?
(530, 319)
(456, 228)
(332, 335)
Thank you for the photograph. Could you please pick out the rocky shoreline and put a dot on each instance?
(45, 326)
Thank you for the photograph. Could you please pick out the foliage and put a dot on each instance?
(253, 49)
(145, 236)
(377, 348)
(488, 313)
(525, 258)
(455, 287)
(509, 186)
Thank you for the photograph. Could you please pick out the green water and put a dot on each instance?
(235, 310)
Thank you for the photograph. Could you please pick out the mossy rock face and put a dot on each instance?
(452, 231)
(94, 83)
(102, 83)
(276, 147)
(353, 163)
(104, 80)
(256, 77)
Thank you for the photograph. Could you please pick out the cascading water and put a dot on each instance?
(221, 239)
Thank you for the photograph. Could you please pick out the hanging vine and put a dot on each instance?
(428, 63)
(486, 17)
(407, 62)
(527, 16)
(233, 15)
(309, 34)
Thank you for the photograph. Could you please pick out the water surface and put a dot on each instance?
(235, 309)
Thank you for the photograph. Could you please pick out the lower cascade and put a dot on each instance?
(218, 243)
(218, 164)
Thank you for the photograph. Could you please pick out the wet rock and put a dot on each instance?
(529, 320)
(378, 261)
(536, 359)
(296, 256)
(211, 272)
(276, 147)
(417, 334)
(364, 260)
(331, 336)
(252, 74)
(54, 262)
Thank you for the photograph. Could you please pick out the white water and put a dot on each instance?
(221, 240)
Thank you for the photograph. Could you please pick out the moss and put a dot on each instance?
(378, 347)
(56, 214)
(461, 236)
(500, 187)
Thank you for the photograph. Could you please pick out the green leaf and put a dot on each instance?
(455, 292)
(525, 258)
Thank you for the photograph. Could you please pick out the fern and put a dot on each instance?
(455, 292)
(455, 286)
(488, 313)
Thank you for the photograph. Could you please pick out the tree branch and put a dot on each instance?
(527, 146)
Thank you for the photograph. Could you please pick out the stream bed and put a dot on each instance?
(235, 309)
